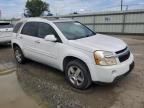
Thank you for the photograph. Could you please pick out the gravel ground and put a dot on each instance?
(49, 89)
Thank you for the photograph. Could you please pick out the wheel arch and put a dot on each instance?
(14, 45)
(83, 65)
(85, 58)
(70, 58)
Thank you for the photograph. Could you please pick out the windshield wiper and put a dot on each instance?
(88, 35)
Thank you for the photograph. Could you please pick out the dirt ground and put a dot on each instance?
(34, 85)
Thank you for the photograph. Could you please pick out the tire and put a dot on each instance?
(19, 56)
(77, 74)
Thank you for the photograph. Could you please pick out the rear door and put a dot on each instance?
(28, 38)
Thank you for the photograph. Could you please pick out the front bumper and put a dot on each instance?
(118, 78)
(124, 75)
(109, 74)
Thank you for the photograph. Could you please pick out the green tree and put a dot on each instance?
(35, 8)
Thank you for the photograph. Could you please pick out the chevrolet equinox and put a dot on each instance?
(67, 45)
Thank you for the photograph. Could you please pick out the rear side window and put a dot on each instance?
(17, 27)
(30, 28)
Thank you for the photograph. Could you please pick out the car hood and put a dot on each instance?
(98, 42)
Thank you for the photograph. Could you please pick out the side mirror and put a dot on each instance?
(51, 38)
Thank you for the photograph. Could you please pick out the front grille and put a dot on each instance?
(121, 51)
(123, 55)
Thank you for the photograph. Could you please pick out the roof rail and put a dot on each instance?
(52, 18)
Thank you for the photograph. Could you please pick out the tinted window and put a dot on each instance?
(45, 29)
(17, 27)
(30, 28)
(6, 25)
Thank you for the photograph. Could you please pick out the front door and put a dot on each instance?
(47, 51)
(28, 38)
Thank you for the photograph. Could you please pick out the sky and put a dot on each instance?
(15, 8)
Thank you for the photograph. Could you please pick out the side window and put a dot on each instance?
(45, 29)
(30, 28)
(17, 27)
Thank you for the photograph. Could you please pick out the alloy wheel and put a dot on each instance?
(75, 75)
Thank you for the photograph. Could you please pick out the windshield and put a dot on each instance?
(74, 30)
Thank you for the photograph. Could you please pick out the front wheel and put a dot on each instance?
(77, 74)
(19, 55)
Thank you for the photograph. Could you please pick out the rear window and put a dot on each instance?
(17, 27)
(6, 25)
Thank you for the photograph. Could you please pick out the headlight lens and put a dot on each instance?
(105, 58)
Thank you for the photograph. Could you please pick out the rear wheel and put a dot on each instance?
(77, 74)
(19, 55)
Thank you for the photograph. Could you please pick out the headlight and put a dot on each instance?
(104, 58)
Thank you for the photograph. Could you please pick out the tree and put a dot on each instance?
(35, 8)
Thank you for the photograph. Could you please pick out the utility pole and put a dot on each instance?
(126, 7)
(121, 5)
(0, 14)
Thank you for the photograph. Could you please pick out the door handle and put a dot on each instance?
(37, 41)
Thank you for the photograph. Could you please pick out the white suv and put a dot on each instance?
(70, 46)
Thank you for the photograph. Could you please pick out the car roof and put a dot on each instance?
(46, 19)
